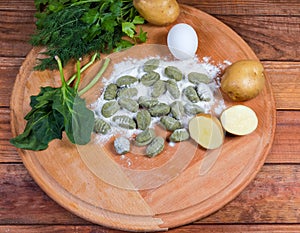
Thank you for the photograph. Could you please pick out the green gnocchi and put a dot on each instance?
(121, 145)
(170, 123)
(172, 88)
(110, 92)
(151, 96)
(128, 92)
(179, 135)
(196, 78)
(160, 109)
(126, 80)
(110, 108)
(101, 126)
(143, 119)
(191, 94)
(151, 65)
(129, 104)
(177, 110)
(155, 147)
(150, 78)
(124, 122)
(144, 138)
(159, 88)
(147, 102)
(174, 73)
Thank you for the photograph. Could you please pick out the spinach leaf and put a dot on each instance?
(78, 120)
(43, 123)
(55, 110)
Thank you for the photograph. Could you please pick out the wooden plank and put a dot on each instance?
(220, 7)
(271, 38)
(23, 202)
(277, 40)
(271, 198)
(8, 153)
(15, 5)
(9, 69)
(16, 28)
(286, 146)
(287, 93)
(184, 229)
(246, 7)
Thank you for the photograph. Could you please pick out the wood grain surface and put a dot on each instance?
(87, 181)
(269, 204)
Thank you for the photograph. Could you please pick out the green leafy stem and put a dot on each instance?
(55, 110)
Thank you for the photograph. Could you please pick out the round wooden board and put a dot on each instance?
(209, 180)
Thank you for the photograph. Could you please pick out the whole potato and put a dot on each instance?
(243, 80)
(158, 12)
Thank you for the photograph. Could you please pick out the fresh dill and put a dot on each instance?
(75, 28)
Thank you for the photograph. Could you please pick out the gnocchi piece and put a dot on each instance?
(127, 92)
(159, 88)
(143, 119)
(177, 110)
(172, 88)
(124, 122)
(110, 92)
(204, 92)
(110, 108)
(170, 123)
(144, 138)
(174, 73)
(196, 78)
(101, 126)
(121, 145)
(179, 135)
(151, 65)
(147, 102)
(192, 109)
(129, 104)
(160, 109)
(150, 78)
(126, 80)
(155, 147)
(191, 94)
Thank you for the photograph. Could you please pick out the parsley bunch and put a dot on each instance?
(74, 28)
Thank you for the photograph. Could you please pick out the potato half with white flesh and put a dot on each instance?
(239, 120)
(207, 131)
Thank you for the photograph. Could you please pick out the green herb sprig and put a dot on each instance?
(74, 28)
(55, 110)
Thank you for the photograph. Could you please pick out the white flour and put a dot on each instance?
(134, 67)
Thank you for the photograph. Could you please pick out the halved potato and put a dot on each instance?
(239, 120)
(207, 131)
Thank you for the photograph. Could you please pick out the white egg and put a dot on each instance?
(182, 41)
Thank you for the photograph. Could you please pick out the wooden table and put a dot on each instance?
(271, 203)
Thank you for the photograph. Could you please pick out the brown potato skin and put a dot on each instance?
(158, 12)
(243, 80)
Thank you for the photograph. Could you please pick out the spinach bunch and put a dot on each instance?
(74, 28)
(55, 110)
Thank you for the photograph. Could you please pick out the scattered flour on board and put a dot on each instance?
(134, 67)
